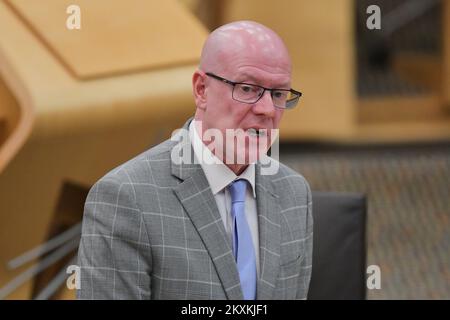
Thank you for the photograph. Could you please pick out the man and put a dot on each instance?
(214, 228)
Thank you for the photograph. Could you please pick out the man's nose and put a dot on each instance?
(265, 105)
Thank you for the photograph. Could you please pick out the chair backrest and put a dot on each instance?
(339, 249)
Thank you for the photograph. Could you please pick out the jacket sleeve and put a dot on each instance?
(306, 264)
(114, 256)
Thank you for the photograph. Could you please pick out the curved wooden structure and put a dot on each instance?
(16, 119)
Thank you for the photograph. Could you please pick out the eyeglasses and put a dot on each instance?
(251, 93)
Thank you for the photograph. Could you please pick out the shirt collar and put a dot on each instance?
(217, 173)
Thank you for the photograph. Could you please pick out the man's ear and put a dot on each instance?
(199, 89)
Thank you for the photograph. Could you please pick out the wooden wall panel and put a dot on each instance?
(115, 36)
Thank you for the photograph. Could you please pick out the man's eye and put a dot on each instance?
(279, 94)
(246, 89)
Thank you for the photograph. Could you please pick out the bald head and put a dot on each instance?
(244, 39)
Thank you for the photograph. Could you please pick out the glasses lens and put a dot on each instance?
(250, 94)
(247, 93)
(284, 98)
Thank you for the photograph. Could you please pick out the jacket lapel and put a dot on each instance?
(269, 235)
(197, 199)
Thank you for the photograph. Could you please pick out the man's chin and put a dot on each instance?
(250, 150)
(245, 156)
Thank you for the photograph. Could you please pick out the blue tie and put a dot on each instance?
(243, 249)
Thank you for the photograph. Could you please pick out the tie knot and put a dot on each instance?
(237, 190)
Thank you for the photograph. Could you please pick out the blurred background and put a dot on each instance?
(374, 118)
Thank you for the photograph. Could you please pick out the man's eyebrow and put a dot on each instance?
(246, 77)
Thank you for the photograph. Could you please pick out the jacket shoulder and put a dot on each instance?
(139, 168)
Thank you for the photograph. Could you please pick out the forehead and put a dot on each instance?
(256, 63)
(265, 74)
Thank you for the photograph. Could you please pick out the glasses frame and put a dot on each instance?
(290, 104)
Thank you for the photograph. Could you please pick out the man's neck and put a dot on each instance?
(237, 168)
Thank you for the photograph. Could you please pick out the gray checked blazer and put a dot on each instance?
(152, 230)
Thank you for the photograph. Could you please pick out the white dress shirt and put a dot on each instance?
(219, 176)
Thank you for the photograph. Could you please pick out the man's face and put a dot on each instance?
(223, 112)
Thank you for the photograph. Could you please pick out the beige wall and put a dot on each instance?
(319, 35)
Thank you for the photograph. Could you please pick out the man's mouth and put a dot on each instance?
(254, 132)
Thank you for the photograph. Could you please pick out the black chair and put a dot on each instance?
(339, 249)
